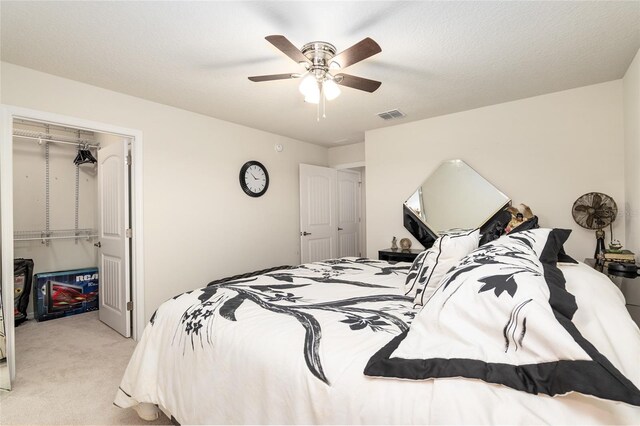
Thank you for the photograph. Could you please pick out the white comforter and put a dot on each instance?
(261, 359)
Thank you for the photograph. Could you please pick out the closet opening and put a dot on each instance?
(71, 227)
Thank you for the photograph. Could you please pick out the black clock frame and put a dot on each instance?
(243, 184)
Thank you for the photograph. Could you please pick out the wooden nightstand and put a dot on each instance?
(628, 284)
(398, 255)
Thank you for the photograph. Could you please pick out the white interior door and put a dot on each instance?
(348, 213)
(318, 224)
(113, 207)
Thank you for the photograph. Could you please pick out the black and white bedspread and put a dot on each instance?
(290, 346)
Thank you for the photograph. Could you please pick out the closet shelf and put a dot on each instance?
(55, 234)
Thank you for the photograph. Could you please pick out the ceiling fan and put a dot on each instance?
(319, 60)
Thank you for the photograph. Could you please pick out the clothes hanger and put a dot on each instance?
(84, 156)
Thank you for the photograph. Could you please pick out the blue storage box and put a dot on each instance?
(63, 293)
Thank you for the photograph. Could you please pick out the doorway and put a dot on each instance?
(133, 272)
(331, 213)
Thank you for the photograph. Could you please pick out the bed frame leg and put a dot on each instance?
(147, 411)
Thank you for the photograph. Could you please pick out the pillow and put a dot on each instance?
(416, 272)
(503, 316)
(532, 223)
(563, 257)
(432, 264)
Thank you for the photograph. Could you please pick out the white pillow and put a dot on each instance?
(432, 264)
(504, 316)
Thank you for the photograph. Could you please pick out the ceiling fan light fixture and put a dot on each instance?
(309, 86)
(313, 99)
(331, 89)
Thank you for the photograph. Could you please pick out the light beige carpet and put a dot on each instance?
(68, 371)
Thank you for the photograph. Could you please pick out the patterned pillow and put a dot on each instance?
(432, 264)
(504, 316)
(532, 223)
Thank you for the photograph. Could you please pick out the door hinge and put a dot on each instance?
(128, 159)
(129, 233)
(129, 306)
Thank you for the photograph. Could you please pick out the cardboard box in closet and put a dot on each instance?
(64, 293)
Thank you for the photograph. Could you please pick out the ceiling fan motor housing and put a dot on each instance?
(320, 54)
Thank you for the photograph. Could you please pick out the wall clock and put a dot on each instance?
(254, 178)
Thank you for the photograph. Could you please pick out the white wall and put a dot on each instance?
(543, 151)
(199, 225)
(350, 155)
(29, 211)
(631, 90)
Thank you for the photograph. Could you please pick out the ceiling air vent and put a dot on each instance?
(392, 114)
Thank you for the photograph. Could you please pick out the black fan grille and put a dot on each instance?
(594, 210)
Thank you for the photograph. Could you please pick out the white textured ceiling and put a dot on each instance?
(437, 57)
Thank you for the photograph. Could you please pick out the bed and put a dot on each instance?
(290, 346)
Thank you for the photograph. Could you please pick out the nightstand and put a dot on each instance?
(628, 284)
(393, 256)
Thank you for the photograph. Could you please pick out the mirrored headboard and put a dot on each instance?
(453, 197)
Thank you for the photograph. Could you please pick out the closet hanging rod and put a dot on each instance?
(55, 234)
(48, 139)
(77, 237)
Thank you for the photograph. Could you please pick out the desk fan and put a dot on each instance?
(595, 211)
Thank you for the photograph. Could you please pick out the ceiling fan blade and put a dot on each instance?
(357, 82)
(271, 77)
(286, 47)
(356, 53)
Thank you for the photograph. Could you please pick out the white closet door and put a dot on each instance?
(113, 204)
(348, 213)
(318, 225)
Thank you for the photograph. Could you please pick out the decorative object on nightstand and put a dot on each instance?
(595, 211)
(615, 244)
(394, 245)
(618, 260)
(405, 244)
(623, 256)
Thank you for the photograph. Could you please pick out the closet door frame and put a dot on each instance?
(8, 114)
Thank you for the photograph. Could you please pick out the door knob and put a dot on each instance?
(98, 244)
(305, 233)
(340, 229)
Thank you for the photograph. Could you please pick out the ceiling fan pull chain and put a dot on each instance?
(324, 101)
(318, 105)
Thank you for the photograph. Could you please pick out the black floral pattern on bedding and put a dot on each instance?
(282, 292)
